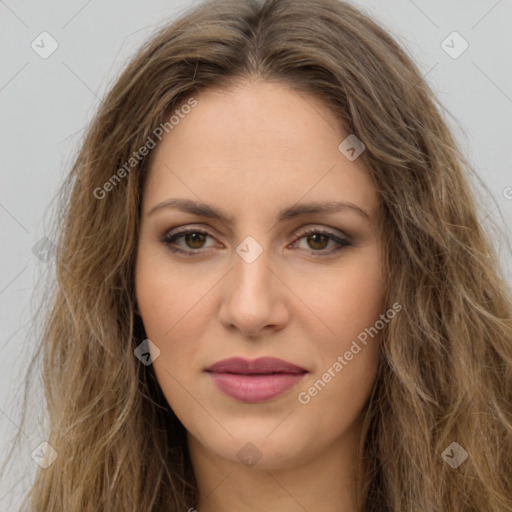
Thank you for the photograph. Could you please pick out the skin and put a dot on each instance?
(250, 152)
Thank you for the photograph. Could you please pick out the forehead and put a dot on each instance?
(255, 145)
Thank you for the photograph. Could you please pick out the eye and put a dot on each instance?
(318, 240)
(195, 239)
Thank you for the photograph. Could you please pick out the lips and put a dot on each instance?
(263, 365)
(255, 380)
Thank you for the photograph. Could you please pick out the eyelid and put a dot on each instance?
(317, 228)
(304, 230)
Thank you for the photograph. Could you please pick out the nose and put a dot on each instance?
(255, 300)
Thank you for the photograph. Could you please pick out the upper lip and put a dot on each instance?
(260, 366)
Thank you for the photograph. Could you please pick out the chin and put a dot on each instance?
(259, 446)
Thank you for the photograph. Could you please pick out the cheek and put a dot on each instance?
(351, 307)
(332, 403)
(167, 298)
(346, 299)
(361, 297)
(175, 307)
(173, 315)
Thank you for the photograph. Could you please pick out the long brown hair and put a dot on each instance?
(446, 367)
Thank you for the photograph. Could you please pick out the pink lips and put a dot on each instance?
(255, 380)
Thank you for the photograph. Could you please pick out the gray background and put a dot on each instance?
(46, 103)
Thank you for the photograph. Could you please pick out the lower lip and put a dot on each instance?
(255, 388)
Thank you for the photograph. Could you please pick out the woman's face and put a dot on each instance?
(248, 172)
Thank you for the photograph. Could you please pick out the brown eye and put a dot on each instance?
(318, 241)
(194, 240)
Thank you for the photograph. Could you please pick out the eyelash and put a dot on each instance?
(342, 242)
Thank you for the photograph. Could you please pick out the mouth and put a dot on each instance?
(255, 380)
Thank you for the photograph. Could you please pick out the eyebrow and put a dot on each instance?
(204, 210)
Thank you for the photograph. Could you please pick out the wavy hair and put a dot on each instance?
(446, 368)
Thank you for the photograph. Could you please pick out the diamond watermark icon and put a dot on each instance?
(454, 455)
(249, 455)
(351, 147)
(44, 45)
(44, 250)
(454, 45)
(146, 352)
(249, 250)
(45, 455)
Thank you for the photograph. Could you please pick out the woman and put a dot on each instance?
(273, 291)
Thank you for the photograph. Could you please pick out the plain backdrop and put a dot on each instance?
(45, 104)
